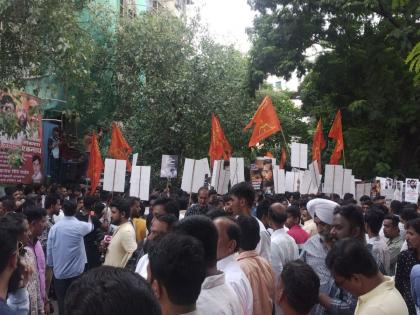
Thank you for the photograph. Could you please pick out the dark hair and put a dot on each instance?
(379, 197)
(8, 241)
(409, 213)
(394, 219)
(202, 189)
(381, 208)
(36, 158)
(374, 219)
(396, 206)
(250, 232)
(169, 219)
(293, 211)
(34, 214)
(301, 286)
(17, 218)
(69, 208)
(216, 213)
(244, 190)
(9, 205)
(203, 229)
(262, 209)
(276, 217)
(348, 196)
(170, 205)
(414, 224)
(364, 199)
(353, 214)
(212, 192)
(177, 262)
(108, 290)
(89, 202)
(350, 256)
(123, 205)
(51, 200)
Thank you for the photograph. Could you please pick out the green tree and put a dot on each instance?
(360, 69)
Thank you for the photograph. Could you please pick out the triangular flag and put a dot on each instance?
(318, 144)
(282, 158)
(96, 165)
(219, 145)
(336, 133)
(119, 148)
(266, 122)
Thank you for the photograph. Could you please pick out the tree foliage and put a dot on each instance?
(360, 68)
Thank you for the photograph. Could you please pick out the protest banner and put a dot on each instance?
(398, 190)
(135, 158)
(169, 166)
(20, 139)
(299, 155)
(140, 182)
(279, 180)
(411, 190)
(236, 170)
(194, 175)
(220, 177)
(114, 175)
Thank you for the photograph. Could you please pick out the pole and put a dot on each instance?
(344, 158)
(285, 142)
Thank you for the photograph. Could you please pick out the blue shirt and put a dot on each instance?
(66, 248)
(5, 309)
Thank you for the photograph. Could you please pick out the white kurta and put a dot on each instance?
(237, 279)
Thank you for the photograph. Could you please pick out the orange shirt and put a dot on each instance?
(140, 228)
(262, 279)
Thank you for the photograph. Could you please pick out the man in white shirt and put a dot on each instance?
(283, 246)
(228, 244)
(242, 196)
(373, 223)
(216, 296)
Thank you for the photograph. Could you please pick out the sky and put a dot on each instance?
(227, 21)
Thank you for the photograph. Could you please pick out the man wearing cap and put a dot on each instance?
(315, 251)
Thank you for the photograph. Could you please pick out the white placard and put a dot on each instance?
(236, 168)
(293, 181)
(347, 182)
(315, 175)
(140, 182)
(411, 190)
(305, 185)
(135, 157)
(334, 177)
(194, 174)
(169, 166)
(219, 181)
(353, 186)
(279, 180)
(114, 175)
(398, 190)
(299, 155)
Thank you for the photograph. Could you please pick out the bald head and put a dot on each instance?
(229, 236)
(277, 215)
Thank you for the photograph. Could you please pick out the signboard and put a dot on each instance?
(20, 139)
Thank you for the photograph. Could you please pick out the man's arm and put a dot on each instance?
(344, 306)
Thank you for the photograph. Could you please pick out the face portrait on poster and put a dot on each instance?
(262, 175)
(169, 166)
(256, 178)
(411, 190)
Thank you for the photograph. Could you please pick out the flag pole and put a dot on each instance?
(285, 142)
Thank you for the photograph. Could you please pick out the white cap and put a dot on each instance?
(322, 208)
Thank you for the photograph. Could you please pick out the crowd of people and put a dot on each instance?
(243, 253)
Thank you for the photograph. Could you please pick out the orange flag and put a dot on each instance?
(220, 147)
(119, 148)
(282, 158)
(318, 144)
(336, 133)
(265, 120)
(269, 154)
(96, 165)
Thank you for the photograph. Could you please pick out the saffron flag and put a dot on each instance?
(269, 154)
(265, 120)
(318, 144)
(220, 147)
(96, 165)
(282, 158)
(336, 133)
(119, 148)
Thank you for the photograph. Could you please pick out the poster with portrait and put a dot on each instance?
(20, 138)
(169, 166)
(398, 190)
(411, 190)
